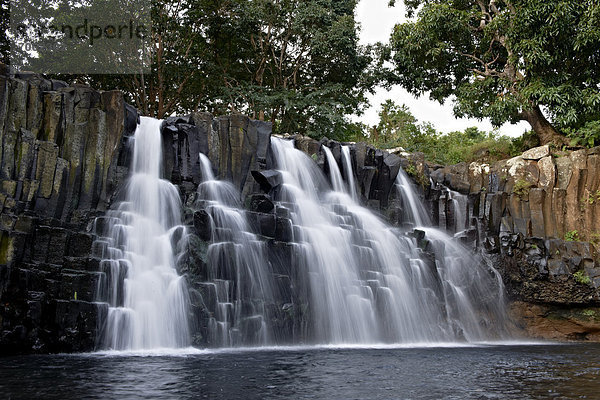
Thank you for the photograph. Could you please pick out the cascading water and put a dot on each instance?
(356, 279)
(348, 175)
(147, 300)
(414, 211)
(460, 211)
(369, 282)
(238, 269)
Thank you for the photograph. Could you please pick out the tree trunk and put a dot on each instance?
(544, 129)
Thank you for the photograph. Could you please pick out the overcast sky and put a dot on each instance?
(377, 21)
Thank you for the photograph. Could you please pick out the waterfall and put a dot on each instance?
(460, 211)
(348, 175)
(238, 273)
(370, 282)
(414, 210)
(336, 178)
(350, 278)
(138, 243)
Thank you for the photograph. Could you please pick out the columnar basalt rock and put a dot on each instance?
(60, 166)
(540, 218)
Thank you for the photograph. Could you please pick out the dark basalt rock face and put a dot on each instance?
(63, 156)
(66, 154)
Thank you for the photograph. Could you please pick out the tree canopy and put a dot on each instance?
(295, 63)
(506, 60)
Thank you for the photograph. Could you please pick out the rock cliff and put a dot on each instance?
(65, 156)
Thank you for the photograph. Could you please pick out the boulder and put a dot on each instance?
(268, 180)
(536, 153)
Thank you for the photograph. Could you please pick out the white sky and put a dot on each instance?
(377, 21)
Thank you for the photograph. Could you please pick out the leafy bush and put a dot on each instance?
(525, 142)
(594, 239)
(420, 178)
(589, 313)
(587, 136)
(398, 127)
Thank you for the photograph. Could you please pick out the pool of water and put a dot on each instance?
(386, 372)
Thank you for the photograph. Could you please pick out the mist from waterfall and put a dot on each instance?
(139, 242)
(372, 283)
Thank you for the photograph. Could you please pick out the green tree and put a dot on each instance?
(295, 63)
(178, 79)
(395, 121)
(504, 59)
(398, 127)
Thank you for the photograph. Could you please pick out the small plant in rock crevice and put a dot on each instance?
(572, 236)
(412, 171)
(594, 239)
(591, 199)
(521, 188)
(589, 313)
(581, 277)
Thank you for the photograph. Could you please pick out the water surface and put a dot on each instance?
(475, 372)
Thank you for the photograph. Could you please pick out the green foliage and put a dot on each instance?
(297, 64)
(588, 135)
(398, 127)
(595, 239)
(589, 313)
(581, 277)
(591, 199)
(525, 142)
(572, 236)
(419, 177)
(504, 60)
(521, 188)
(410, 170)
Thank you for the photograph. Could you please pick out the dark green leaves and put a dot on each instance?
(501, 59)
